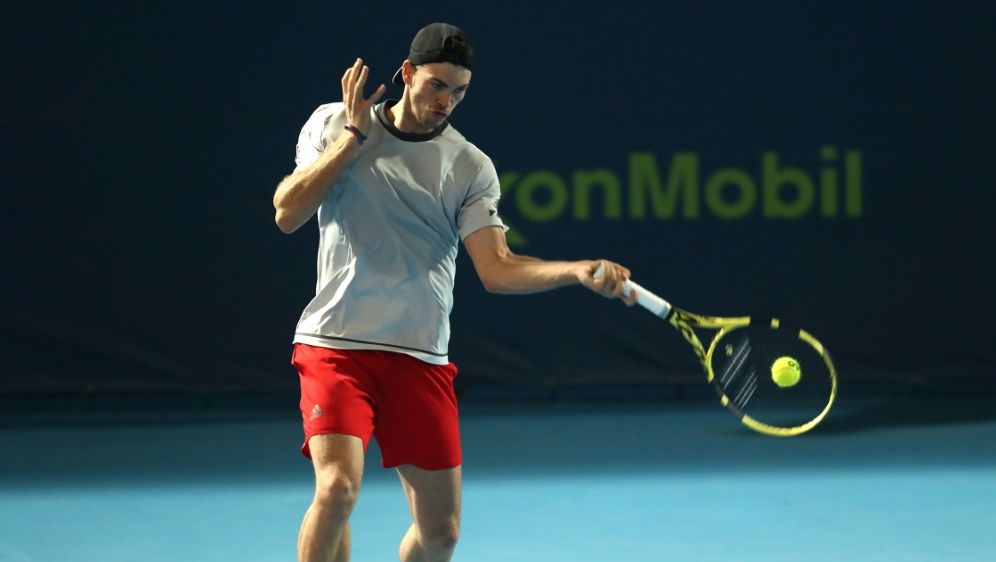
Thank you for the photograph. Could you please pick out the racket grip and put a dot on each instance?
(644, 298)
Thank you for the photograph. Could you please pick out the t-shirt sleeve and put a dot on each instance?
(480, 207)
(312, 140)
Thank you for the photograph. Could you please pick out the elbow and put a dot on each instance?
(496, 276)
(491, 287)
(285, 222)
(283, 217)
(494, 285)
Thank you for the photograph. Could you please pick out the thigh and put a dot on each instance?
(417, 414)
(433, 495)
(337, 457)
(337, 394)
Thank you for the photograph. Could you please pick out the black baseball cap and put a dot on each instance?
(439, 42)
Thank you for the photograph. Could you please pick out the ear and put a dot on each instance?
(407, 72)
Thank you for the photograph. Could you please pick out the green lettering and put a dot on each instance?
(534, 182)
(774, 179)
(741, 205)
(506, 180)
(513, 237)
(852, 172)
(645, 182)
(585, 181)
(828, 183)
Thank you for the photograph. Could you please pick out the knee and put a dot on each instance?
(336, 492)
(441, 536)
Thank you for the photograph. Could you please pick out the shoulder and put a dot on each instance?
(329, 109)
(325, 113)
(466, 153)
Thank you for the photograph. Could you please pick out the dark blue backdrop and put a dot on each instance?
(142, 144)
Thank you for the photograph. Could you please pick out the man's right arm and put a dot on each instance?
(300, 194)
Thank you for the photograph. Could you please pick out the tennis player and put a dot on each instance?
(396, 188)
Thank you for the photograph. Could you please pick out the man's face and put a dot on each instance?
(436, 89)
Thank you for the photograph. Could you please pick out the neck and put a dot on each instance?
(402, 115)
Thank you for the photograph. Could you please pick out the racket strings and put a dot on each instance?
(742, 360)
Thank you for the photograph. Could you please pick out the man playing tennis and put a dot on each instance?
(395, 188)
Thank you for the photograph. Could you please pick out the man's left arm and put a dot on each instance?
(503, 272)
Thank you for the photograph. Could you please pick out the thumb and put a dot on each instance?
(377, 94)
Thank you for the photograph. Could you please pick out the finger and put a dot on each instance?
(361, 80)
(351, 76)
(347, 86)
(608, 284)
(345, 82)
(620, 289)
(630, 300)
(619, 276)
(622, 275)
(357, 69)
(612, 288)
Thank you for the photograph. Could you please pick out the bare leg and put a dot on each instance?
(338, 461)
(434, 500)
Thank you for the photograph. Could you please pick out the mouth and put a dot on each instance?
(440, 114)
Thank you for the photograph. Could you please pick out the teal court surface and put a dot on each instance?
(908, 481)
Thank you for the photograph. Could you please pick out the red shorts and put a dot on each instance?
(408, 405)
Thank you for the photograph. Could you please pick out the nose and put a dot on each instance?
(444, 99)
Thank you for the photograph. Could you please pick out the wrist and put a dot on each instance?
(356, 132)
(581, 271)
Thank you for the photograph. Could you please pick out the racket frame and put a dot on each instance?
(685, 322)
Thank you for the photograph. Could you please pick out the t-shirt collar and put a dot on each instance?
(410, 137)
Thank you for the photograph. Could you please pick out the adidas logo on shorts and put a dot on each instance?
(317, 412)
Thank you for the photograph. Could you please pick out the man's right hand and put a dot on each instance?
(358, 108)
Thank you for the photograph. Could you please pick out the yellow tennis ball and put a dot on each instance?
(785, 372)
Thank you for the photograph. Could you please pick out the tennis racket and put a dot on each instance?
(749, 363)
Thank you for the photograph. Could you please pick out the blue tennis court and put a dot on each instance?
(908, 480)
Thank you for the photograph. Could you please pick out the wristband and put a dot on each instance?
(360, 137)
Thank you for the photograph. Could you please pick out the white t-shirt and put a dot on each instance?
(389, 233)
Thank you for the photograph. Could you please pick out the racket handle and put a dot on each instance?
(644, 298)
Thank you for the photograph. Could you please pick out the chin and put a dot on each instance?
(433, 121)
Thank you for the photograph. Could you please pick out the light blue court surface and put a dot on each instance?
(628, 482)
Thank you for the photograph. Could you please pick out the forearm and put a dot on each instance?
(300, 194)
(501, 271)
(519, 275)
